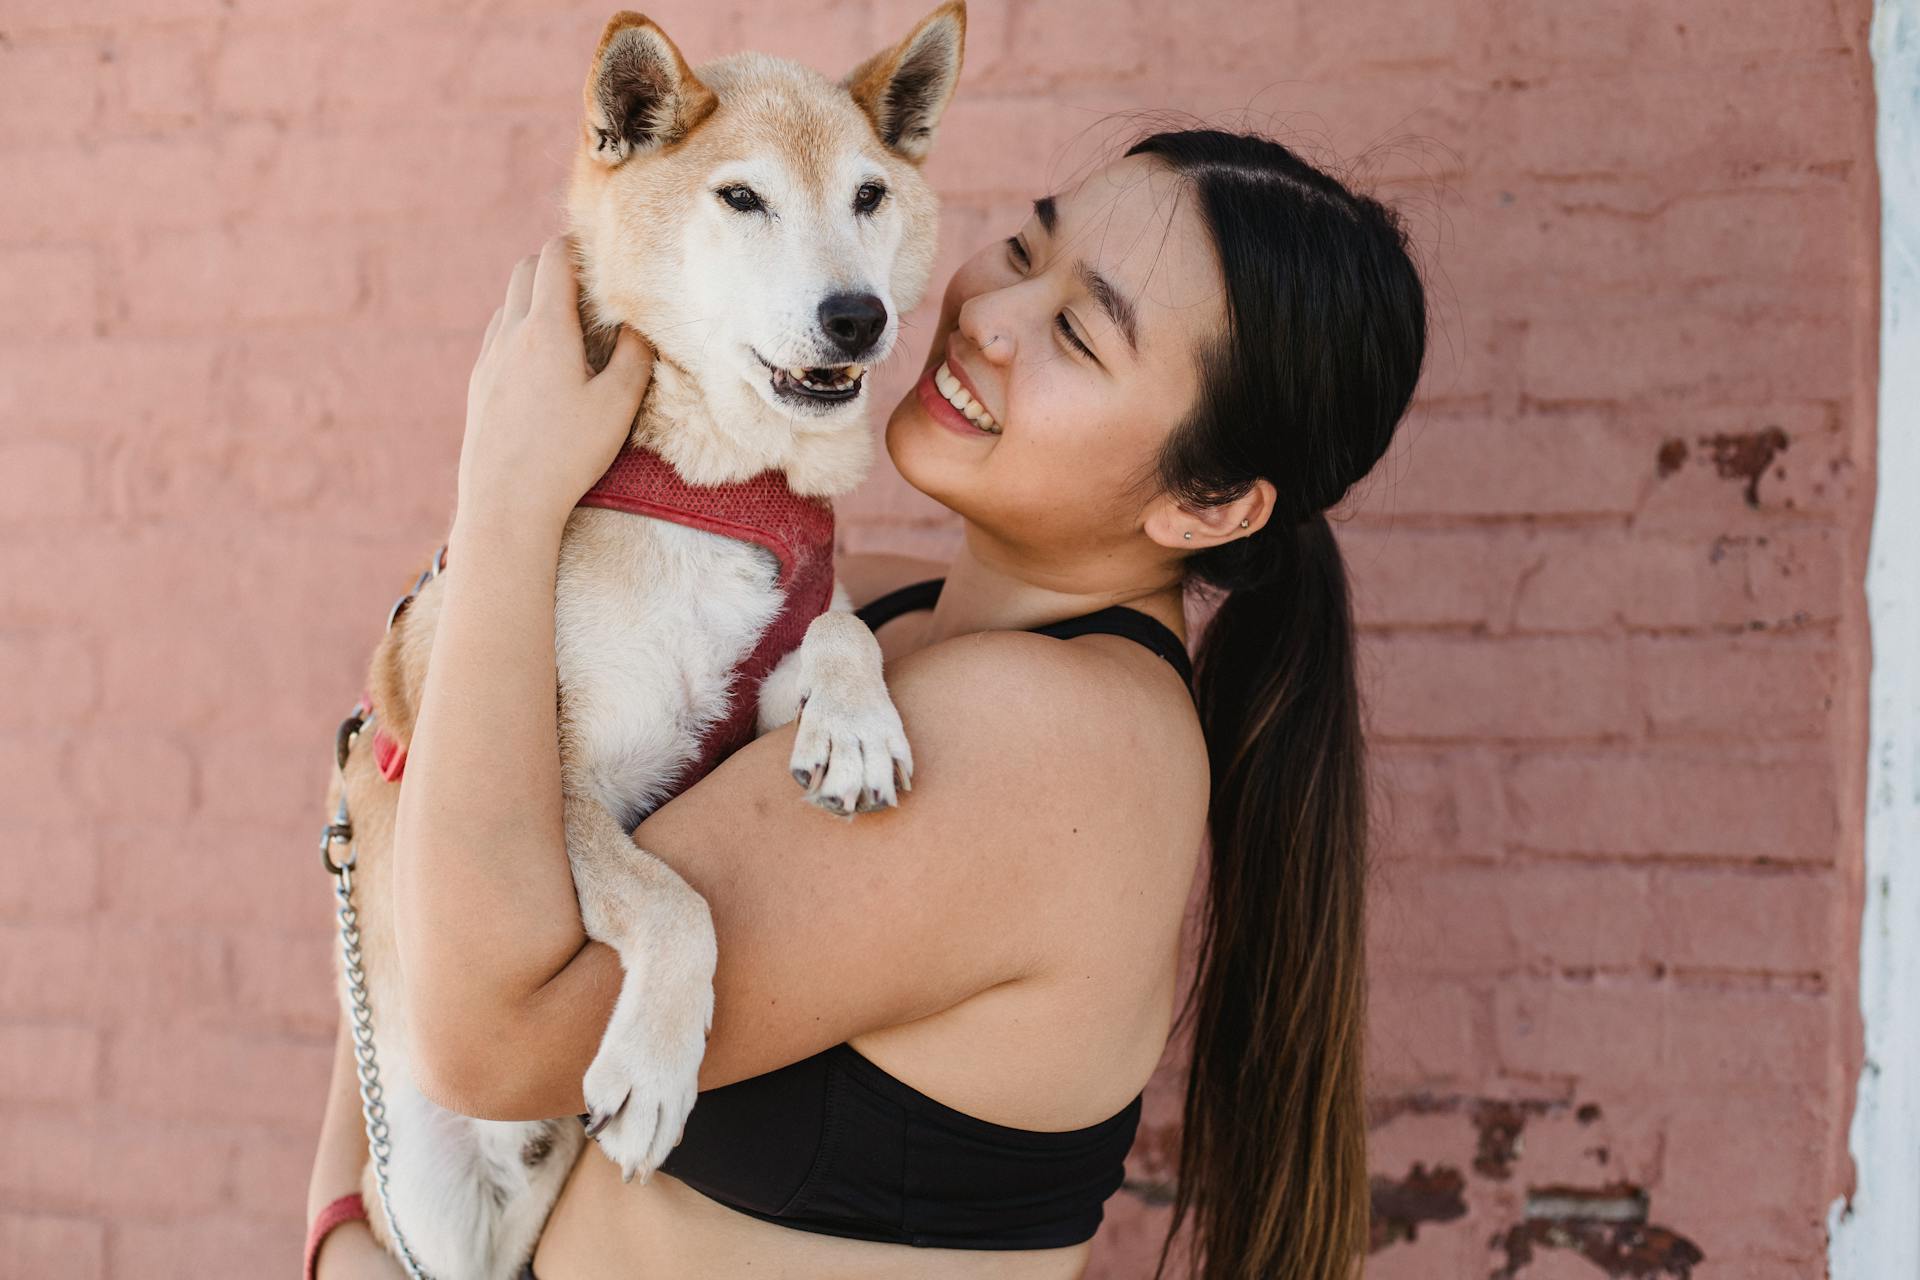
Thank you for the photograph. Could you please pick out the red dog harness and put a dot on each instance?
(764, 511)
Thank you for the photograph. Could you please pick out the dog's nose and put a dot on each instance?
(853, 321)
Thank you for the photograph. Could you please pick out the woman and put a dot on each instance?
(1183, 361)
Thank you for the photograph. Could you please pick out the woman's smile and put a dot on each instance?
(946, 409)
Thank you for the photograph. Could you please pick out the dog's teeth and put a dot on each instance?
(855, 370)
(799, 374)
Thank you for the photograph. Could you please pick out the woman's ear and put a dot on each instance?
(1183, 529)
(640, 92)
(905, 89)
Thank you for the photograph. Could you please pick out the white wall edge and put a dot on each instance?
(1876, 1234)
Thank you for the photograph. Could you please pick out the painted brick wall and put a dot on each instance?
(1610, 576)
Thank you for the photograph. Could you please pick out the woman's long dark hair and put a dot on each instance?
(1324, 338)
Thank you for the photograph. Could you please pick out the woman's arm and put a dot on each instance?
(828, 927)
(480, 814)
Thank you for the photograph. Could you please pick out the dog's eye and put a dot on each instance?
(868, 197)
(741, 198)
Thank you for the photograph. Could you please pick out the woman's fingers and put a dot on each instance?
(628, 371)
(556, 292)
(493, 327)
(631, 361)
(520, 286)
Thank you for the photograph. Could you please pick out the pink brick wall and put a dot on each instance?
(1610, 577)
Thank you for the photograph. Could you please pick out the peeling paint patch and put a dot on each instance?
(1605, 1225)
(1381, 1111)
(1634, 1250)
(1399, 1207)
(1615, 1202)
(1500, 1125)
(1746, 455)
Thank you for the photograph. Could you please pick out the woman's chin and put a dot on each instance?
(920, 452)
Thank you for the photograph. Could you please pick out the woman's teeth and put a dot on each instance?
(958, 397)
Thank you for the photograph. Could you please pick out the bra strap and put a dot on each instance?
(1115, 619)
(1119, 620)
(908, 599)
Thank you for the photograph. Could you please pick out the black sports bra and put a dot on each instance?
(835, 1145)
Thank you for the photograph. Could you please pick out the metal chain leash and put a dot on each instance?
(373, 1102)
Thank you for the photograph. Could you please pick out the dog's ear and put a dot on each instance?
(904, 89)
(640, 93)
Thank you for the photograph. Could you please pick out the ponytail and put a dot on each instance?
(1302, 389)
(1273, 1149)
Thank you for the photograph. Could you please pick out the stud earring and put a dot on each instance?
(1243, 524)
(1188, 534)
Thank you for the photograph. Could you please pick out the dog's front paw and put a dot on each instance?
(850, 750)
(642, 1083)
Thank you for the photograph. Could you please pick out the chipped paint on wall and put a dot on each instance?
(1608, 1223)
(1400, 1205)
(1873, 1234)
(1734, 455)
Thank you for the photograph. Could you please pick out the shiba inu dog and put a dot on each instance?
(765, 227)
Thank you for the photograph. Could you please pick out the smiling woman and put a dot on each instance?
(932, 1025)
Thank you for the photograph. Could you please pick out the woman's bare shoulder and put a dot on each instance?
(1115, 721)
(868, 575)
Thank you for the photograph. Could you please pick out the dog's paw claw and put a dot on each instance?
(643, 1082)
(598, 1120)
(851, 747)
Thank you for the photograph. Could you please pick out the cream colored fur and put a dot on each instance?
(652, 616)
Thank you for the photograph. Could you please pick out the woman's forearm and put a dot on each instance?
(343, 1136)
(486, 912)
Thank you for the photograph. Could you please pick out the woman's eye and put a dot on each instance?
(740, 198)
(1066, 330)
(1017, 252)
(868, 197)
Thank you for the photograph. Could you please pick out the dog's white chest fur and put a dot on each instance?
(651, 618)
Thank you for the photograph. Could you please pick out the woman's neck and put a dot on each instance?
(989, 589)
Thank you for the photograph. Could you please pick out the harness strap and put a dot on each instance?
(763, 510)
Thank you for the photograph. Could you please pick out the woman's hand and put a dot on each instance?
(540, 428)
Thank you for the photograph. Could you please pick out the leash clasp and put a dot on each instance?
(340, 830)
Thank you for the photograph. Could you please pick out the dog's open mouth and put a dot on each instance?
(830, 385)
(827, 386)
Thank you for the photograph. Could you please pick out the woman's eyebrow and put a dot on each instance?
(1117, 305)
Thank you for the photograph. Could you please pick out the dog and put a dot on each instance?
(764, 227)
